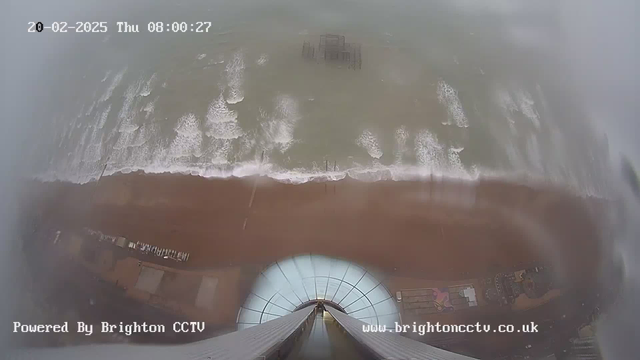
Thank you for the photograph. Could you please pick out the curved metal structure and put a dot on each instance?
(271, 340)
(288, 284)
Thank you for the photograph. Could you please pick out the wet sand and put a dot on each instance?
(434, 229)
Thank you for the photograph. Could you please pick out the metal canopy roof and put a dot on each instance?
(288, 284)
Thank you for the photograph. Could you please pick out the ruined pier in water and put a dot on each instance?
(334, 48)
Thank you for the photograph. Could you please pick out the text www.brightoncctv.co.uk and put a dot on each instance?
(429, 327)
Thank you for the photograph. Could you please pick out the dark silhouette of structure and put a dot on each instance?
(334, 48)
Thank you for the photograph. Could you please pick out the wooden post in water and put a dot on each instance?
(102, 173)
(103, 169)
(95, 188)
(93, 193)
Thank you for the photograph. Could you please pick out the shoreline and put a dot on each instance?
(376, 173)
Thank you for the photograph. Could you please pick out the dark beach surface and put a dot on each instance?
(435, 229)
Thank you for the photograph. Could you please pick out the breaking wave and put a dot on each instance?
(188, 141)
(235, 78)
(112, 86)
(448, 96)
(401, 143)
(221, 122)
(369, 142)
(278, 127)
(146, 90)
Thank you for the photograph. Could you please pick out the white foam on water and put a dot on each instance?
(526, 103)
(455, 164)
(448, 96)
(368, 141)
(185, 154)
(112, 86)
(106, 76)
(159, 162)
(429, 152)
(119, 156)
(507, 106)
(278, 128)
(188, 140)
(148, 87)
(76, 157)
(72, 127)
(505, 101)
(132, 149)
(262, 61)
(201, 56)
(127, 113)
(435, 158)
(221, 123)
(246, 144)
(143, 135)
(150, 107)
(214, 62)
(102, 117)
(159, 165)
(380, 172)
(127, 130)
(224, 130)
(62, 135)
(124, 139)
(83, 139)
(91, 107)
(94, 151)
(235, 78)
(402, 134)
(142, 154)
(81, 112)
(218, 151)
